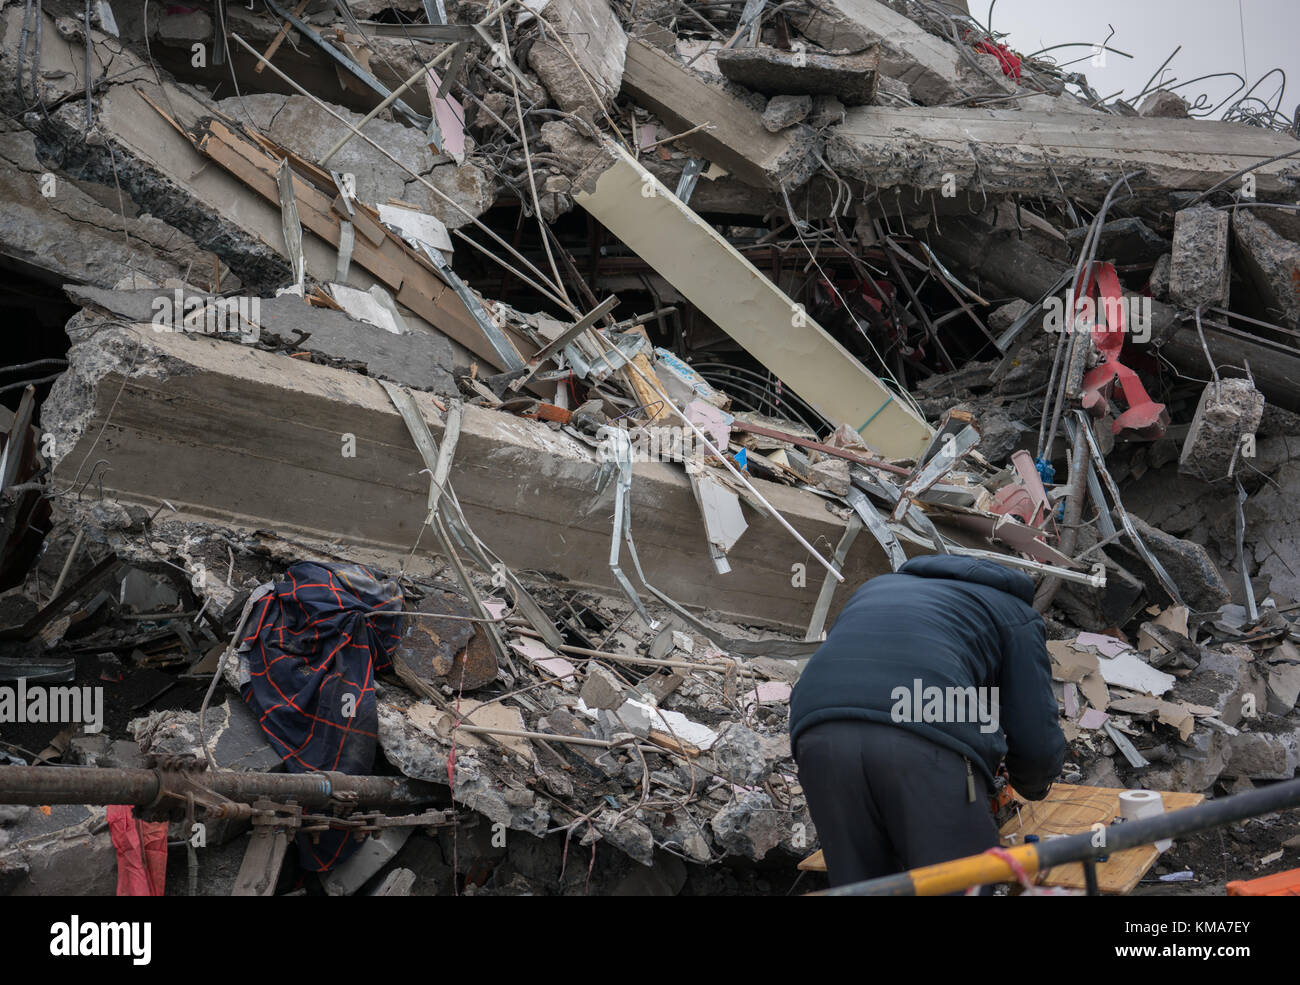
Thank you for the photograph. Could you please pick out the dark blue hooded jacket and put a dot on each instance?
(948, 622)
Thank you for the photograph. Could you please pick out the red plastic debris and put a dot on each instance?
(1111, 379)
(141, 852)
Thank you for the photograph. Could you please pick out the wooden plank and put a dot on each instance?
(652, 404)
(1070, 810)
(816, 862)
(280, 35)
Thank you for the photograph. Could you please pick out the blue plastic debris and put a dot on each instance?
(1045, 470)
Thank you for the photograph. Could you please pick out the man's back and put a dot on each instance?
(950, 648)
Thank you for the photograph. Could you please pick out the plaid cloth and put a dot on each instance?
(311, 649)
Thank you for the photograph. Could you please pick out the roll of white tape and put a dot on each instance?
(1136, 804)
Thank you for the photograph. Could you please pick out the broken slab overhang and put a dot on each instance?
(253, 439)
(1029, 152)
(69, 233)
(735, 137)
(419, 359)
(692, 256)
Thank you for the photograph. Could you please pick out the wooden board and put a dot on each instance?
(816, 862)
(1070, 810)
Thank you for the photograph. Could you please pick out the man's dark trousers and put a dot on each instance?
(884, 799)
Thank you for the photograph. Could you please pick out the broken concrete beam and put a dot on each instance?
(1199, 272)
(1228, 411)
(1272, 263)
(580, 58)
(258, 440)
(1026, 152)
(735, 137)
(773, 72)
(692, 256)
(931, 67)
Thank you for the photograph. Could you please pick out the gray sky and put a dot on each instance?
(1210, 31)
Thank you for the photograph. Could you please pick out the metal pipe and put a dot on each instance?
(979, 870)
(141, 787)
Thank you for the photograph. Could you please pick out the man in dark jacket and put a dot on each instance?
(929, 678)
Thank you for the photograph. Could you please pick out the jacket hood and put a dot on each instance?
(971, 569)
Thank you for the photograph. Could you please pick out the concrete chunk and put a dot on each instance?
(1227, 411)
(595, 39)
(735, 139)
(601, 689)
(1199, 271)
(1272, 263)
(785, 111)
(771, 71)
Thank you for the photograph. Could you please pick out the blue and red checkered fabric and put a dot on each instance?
(313, 646)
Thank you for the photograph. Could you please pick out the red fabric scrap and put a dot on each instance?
(141, 852)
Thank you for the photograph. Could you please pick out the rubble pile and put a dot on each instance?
(619, 342)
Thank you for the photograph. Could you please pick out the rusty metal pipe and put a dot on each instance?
(141, 787)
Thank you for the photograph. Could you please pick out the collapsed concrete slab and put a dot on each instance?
(735, 137)
(931, 67)
(135, 146)
(253, 439)
(302, 126)
(1027, 152)
(703, 266)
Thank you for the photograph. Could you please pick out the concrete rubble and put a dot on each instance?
(626, 344)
